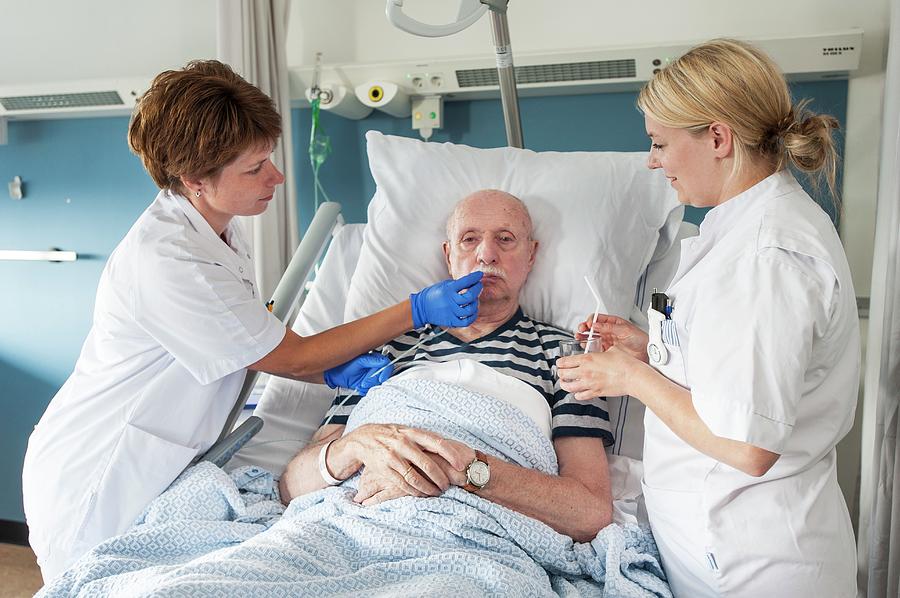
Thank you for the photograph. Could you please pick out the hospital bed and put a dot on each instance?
(600, 215)
(292, 411)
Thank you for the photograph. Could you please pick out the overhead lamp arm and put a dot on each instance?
(469, 12)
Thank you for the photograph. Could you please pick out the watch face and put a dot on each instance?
(479, 473)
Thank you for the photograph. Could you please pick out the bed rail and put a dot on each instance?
(285, 300)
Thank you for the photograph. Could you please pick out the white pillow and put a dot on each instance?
(595, 213)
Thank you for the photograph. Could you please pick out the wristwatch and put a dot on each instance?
(478, 473)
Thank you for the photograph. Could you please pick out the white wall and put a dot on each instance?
(357, 31)
(52, 40)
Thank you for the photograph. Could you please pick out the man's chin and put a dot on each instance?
(489, 299)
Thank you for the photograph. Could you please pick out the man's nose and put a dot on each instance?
(487, 251)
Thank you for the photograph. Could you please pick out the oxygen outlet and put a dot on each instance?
(384, 95)
(376, 93)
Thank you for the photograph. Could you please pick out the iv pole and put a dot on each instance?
(469, 12)
(506, 73)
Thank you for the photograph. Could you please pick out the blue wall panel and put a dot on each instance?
(83, 191)
(601, 122)
(45, 309)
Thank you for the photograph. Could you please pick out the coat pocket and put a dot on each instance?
(141, 468)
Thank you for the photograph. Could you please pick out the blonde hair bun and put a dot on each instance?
(809, 142)
(736, 83)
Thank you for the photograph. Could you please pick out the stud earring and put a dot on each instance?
(197, 194)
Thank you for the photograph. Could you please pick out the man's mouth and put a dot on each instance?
(492, 278)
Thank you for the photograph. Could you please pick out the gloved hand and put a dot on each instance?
(442, 304)
(357, 373)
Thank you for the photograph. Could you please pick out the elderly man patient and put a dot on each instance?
(503, 352)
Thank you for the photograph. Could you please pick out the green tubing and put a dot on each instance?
(319, 149)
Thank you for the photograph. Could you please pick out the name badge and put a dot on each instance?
(656, 350)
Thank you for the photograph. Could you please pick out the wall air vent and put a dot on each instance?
(552, 73)
(82, 98)
(62, 100)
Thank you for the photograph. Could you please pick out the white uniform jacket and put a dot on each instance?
(768, 344)
(177, 320)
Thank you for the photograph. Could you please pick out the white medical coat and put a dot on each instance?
(177, 320)
(768, 330)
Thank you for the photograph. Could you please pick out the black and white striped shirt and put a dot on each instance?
(522, 348)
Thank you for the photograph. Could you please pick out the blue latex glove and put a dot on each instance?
(358, 373)
(443, 304)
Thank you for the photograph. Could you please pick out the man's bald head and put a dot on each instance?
(507, 202)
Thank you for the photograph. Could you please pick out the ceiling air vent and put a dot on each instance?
(552, 73)
(62, 100)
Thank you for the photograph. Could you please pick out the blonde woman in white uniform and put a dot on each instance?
(750, 377)
(178, 321)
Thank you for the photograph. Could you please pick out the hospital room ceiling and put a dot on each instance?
(358, 32)
(91, 39)
(50, 40)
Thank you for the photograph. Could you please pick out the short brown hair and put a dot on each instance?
(194, 121)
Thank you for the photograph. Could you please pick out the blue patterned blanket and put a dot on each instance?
(212, 534)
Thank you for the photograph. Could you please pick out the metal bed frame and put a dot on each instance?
(286, 300)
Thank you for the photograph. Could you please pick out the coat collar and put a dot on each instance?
(232, 232)
(726, 215)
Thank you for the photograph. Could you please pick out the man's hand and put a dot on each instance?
(399, 461)
(456, 476)
(369, 484)
(614, 331)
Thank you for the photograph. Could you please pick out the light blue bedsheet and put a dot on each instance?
(212, 534)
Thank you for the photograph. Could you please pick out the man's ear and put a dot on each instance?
(534, 248)
(446, 248)
(722, 139)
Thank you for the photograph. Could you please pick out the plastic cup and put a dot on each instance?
(574, 347)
